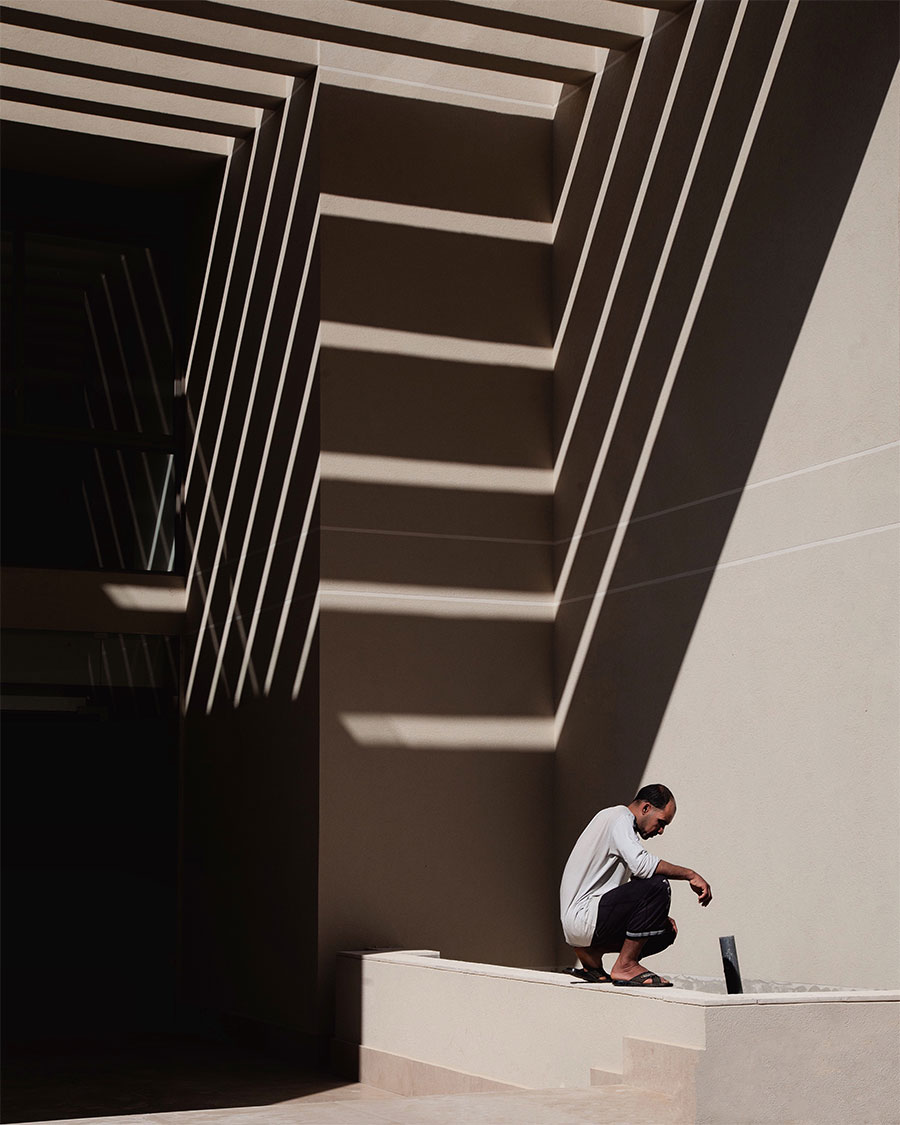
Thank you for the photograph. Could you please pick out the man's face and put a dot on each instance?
(653, 822)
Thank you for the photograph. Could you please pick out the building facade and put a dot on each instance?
(470, 412)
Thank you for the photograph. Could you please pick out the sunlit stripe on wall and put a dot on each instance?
(264, 581)
(74, 121)
(365, 469)
(204, 469)
(289, 589)
(422, 345)
(254, 386)
(466, 96)
(393, 533)
(257, 492)
(672, 371)
(624, 250)
(451, 732)
(246, 666)
(145, 599)
(214, 249)
(211, 630)
(435, 601)
(649, 303)
(433, 218)
(279, 516)
(307, 648)
(238, 347)
(221, 300)
(601, 195)
(578, 147)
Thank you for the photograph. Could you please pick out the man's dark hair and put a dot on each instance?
(657, 795)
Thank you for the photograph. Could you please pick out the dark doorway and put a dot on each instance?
(104, 248)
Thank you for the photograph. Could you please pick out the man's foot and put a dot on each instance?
(591, 958)
(626, 972)
(644, 980)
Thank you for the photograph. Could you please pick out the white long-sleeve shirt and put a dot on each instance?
(606, 855)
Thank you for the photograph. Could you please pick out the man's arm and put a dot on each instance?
(625, 844)
(699, 885)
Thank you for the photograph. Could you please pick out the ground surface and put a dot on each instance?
(364, 1105)
(185, 1081)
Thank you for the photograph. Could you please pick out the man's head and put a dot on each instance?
(653, 809)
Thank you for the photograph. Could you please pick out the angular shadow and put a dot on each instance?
(437, 282)
(409, 406)
(826, 97)
(649, 356)
(404, 150)
(152, 1074)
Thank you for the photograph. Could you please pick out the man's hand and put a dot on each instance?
(699, 885)
(701, 889)
(674, 927)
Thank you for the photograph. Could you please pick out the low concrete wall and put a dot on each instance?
(419, 1024)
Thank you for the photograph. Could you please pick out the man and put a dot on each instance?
(614, 896)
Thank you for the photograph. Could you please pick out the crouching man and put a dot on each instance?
(614, 896)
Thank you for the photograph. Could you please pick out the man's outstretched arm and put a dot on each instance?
(699, 885)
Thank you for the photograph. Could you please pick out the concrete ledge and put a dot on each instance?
(426, 1025)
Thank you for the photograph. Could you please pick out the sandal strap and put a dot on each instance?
(590, 976)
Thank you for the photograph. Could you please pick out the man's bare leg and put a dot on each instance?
(591, 957)
(627, 964)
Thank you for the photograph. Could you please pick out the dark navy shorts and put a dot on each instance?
(637, 909)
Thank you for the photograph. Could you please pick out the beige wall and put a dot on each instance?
(433, 635)
(500, 363)
(409, 714)
(781, 735)
(745, 643)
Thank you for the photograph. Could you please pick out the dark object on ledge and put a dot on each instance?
(730, 964)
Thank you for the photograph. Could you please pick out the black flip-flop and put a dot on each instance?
(590, 976)
(644, 980)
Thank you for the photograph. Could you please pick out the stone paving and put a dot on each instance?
(189, 1080)
(363, 1105)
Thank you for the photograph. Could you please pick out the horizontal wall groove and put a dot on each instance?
(515, 597)
(531, 542)
(438, 535)
(737, 562)
(728, 492)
